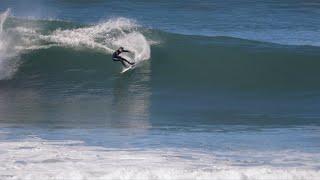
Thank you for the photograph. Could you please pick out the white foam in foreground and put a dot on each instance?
(43, 159)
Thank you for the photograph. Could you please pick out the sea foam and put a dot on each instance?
(36, 158)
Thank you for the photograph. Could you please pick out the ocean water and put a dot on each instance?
(222, 89)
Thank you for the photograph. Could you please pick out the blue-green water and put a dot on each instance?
(222, 90)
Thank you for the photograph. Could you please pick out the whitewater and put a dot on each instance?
(31, 156)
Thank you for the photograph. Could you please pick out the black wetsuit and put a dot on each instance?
(116, 57)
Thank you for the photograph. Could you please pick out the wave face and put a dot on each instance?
(238, 80)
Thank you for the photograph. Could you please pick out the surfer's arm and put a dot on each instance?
(126, 51)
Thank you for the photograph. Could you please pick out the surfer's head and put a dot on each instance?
(121, 48)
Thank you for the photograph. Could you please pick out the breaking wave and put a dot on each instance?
(104, 37)
(35, 48)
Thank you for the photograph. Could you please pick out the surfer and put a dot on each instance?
(116, 57)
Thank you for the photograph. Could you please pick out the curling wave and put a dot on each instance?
(103, 38)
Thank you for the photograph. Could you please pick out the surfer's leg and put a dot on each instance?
(131, 63)
(121, 60)
(124, 64)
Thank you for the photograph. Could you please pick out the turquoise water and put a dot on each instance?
(222, 90)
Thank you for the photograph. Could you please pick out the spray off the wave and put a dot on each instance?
(105, 37)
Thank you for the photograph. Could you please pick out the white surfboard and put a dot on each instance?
(128, 68)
